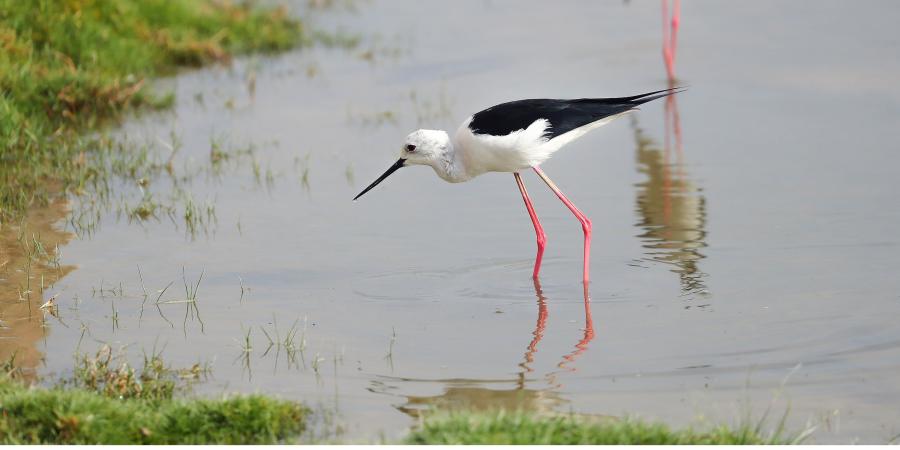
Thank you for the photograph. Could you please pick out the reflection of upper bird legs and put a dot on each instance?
(666, 176)
(541, 322)
(672, 125)
(582, 345)
(671, 109)
(670, 34)
(538, 332)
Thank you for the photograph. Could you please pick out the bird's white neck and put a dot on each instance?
(451, 165)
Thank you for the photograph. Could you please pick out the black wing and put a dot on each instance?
(563, 115)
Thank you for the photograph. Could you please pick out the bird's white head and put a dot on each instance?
(425, 147)
(422, 147)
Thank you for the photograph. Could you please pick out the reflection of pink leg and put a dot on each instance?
(670, 35)
(582, 344)
(676, 124)
(537, 334)
(541, 322)
(666, 167)
(585, 222)
(538, 229)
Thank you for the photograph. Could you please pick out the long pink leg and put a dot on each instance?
(585, 222)
(538, 229)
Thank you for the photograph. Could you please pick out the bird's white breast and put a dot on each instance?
(509, 153)
(521, 149)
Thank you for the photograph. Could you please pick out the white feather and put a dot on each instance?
(469, 155)
(518, 150)
(485, 153)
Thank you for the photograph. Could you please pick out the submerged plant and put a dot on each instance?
(110, 375)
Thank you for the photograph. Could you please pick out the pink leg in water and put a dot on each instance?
(585, 222)
(538, 229)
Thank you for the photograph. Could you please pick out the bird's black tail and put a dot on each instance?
(634, 100)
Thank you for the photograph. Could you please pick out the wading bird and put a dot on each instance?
(513, 136)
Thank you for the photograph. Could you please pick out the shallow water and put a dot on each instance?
(744, 253)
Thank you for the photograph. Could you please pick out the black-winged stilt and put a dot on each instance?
(513, 136)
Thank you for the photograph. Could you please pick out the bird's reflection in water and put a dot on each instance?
(470, 396)
(473, 395)
(569, 360)
(671, 208)
(537, 334)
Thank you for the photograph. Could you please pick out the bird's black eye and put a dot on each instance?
(410, 148)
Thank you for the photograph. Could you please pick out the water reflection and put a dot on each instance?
(670, 23)
(537, 334)
(671, 207)
(569, 360)
(472, 394)
(29, 267)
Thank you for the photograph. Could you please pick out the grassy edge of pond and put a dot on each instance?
(66, 415)
(514, 428)
(69, 67)
(108, 401)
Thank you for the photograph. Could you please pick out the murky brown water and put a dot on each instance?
(745, 233)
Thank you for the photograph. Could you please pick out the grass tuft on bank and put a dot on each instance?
(524, 428)
(60, 415)
(68, 66)
(108, 401)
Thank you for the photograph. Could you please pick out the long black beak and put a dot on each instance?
(386, 174)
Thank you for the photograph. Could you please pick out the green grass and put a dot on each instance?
(112, 376)
(69, 66)
(78, 416)
(524, 428)
(107, 401)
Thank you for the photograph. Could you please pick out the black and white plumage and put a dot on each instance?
(511, 136)
(563, 115)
